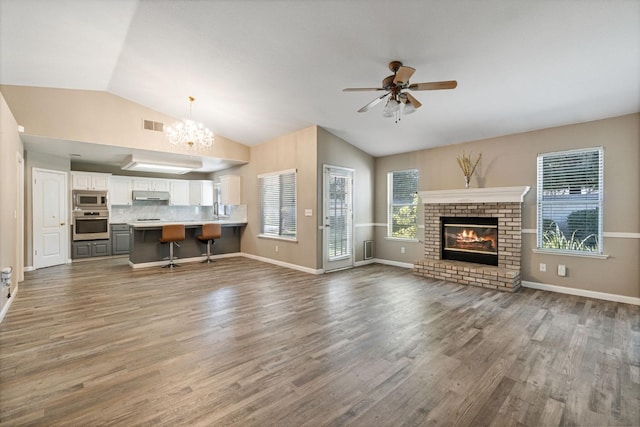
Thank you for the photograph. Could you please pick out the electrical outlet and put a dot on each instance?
(543, 267)
(562, 270)
(276, 248)
(402, 250)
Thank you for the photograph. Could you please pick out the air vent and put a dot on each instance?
(154, 126)
(368, 249)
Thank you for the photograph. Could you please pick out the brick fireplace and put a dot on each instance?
(457, 208)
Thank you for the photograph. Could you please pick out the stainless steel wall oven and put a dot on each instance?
(90, 224)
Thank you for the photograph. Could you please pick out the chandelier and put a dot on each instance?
(190, 133)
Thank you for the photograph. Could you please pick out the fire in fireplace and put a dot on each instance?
(470, 239)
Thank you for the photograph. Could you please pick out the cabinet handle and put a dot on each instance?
(62, 223)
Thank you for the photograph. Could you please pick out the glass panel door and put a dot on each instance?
(338, 216)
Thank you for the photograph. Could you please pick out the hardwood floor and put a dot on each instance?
(244, 343)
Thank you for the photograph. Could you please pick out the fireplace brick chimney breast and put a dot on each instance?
(507, 210)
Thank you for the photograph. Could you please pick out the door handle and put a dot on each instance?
(62, 223)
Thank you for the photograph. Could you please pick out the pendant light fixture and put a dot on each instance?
(193, 135)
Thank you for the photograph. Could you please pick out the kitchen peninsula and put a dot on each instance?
(145, 249)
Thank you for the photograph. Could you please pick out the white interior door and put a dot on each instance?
(338, 218)
(50, 228)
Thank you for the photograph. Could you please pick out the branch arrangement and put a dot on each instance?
(467, 165)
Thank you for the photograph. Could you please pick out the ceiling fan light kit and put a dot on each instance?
(397, 87)
(190, 133)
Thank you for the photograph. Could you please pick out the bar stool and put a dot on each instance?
(210, 232)
(171, 234)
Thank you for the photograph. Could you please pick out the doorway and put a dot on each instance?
(50, 228)
(338, 218)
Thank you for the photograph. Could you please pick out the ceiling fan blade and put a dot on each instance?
(449, 84)
(403, 75)
(373, 103)
(361, 89)
(416, 104)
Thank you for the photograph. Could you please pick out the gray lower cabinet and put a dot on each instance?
(119, 239)
(91, 248)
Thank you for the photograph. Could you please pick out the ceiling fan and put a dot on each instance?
(397, 87)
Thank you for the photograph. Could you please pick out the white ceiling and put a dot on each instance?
(260, 69)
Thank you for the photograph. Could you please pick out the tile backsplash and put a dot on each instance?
(152, 209)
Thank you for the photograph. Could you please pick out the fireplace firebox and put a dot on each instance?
(470, 239)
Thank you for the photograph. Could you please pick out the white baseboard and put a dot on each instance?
(29, 268)
(5, 309)
(393, 263)
(364, 262)
(283, 264)
(582, 292)
(383, 261)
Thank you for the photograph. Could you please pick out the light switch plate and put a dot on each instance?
(308, 212)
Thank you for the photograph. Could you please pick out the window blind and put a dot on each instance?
(403, 204)
(570, 197)
(339, 215)
(278, 204)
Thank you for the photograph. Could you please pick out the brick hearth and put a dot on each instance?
(504, 277)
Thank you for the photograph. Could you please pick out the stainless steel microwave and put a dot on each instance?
(84, 199)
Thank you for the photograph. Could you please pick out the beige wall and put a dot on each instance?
(100, 118)
(510, 161)
(337, 152)
(10, 234)
(296, 150)
(306, 150)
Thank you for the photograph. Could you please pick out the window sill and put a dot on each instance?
(284, 239)
(402, 239)
(566, 253)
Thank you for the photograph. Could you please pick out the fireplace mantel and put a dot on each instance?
(475, 195)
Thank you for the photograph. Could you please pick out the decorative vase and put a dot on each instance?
(466, 181)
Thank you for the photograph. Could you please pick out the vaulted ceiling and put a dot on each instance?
(260, 69)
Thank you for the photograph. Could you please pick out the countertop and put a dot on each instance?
(195, 223)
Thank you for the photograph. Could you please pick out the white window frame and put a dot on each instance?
(565, 199)
(291, 211)
(391, 205)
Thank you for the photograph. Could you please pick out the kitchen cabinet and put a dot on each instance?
(119, 239)
(201, 193)
(90, 181)
(150, 184)
(230, 193)
(179, 192)
(120, 190)
(90, 248)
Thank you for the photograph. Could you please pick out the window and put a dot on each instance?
(278, 207)
(570, 201)
(403, 204)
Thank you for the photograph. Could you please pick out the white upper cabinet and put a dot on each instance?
(120, 190)
(90, 181)
(179, 192)
(230, 193)
(201, 193)
(150, 184)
